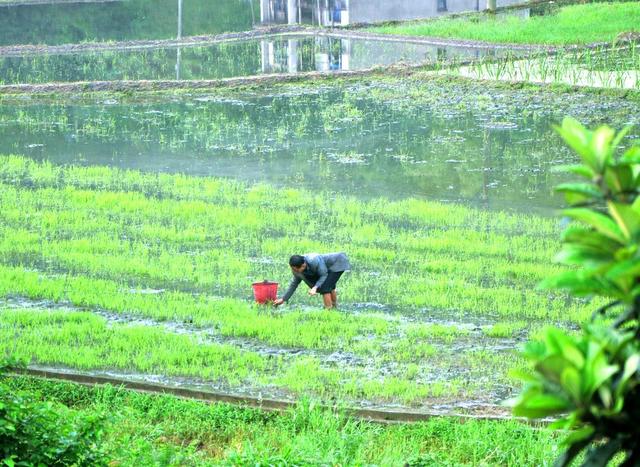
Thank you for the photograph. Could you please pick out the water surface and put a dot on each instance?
(68, 23)
(431, 139)
(241, 58)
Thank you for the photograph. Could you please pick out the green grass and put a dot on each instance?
(577, 24)
(164, 430)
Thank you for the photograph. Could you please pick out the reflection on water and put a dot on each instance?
(339, 53)
(67, 23)
(242, 58)
(428, 139)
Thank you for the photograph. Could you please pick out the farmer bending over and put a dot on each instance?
(320, 273)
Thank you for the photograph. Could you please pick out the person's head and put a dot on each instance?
(297, 263)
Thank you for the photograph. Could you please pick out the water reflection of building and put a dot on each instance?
(321, 53)
(344, 12)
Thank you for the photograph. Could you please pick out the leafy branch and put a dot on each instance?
(592, 381)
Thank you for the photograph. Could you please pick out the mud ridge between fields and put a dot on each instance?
(464, 410)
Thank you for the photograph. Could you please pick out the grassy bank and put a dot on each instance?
(576, 24)
(164, 430)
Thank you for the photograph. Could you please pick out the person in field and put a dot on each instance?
(320, 273)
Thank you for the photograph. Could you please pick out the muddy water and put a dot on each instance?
(462, 142)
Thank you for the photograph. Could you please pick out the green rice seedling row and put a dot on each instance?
(98, 239)
(220, 247)
(85, 342)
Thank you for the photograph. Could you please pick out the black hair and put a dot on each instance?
(296, 261)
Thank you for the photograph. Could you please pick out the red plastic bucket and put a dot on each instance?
(265, 291)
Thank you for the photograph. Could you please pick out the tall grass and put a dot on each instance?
(576, 24)
(145, 428)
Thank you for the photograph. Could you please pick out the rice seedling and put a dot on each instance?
(84, 341)
(157, 234)
(506, 329)
(602, 67)
(94, 237)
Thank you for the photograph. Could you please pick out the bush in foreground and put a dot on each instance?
(46, 433)
(592, 381)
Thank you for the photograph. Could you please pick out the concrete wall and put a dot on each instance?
(366, 11)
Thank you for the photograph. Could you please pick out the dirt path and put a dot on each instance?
(256, 34)
(21, 50)
(163, 85)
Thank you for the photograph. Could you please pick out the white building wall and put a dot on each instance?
(368, 11)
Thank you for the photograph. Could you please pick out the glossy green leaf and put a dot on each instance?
(551, 367)
(602, 223)
(580, 191)
(601, 373)
(542, 405)
(627, 219)
(605, 396)
(571, 382)
(579, 435)
(631, 367)
(585, 236)
(631, 155)
(577, 169)
(578, 137)
(580, 283)
(620, 179)
(583, 255)
(625, 269)
(600, 145)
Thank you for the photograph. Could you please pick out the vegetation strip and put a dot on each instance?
(190, 41)
(437, 41)
(576, 24)
(375, 415)
(153, 429)
(161, 85)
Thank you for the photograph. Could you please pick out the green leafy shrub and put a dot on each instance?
(592, 381)
(34, 433)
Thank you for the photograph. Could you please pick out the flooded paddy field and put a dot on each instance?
(150, 217)
(285, 53)
(450, 348)
(158, 158)
(608, 67)
(427, 138)
(134, 224)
